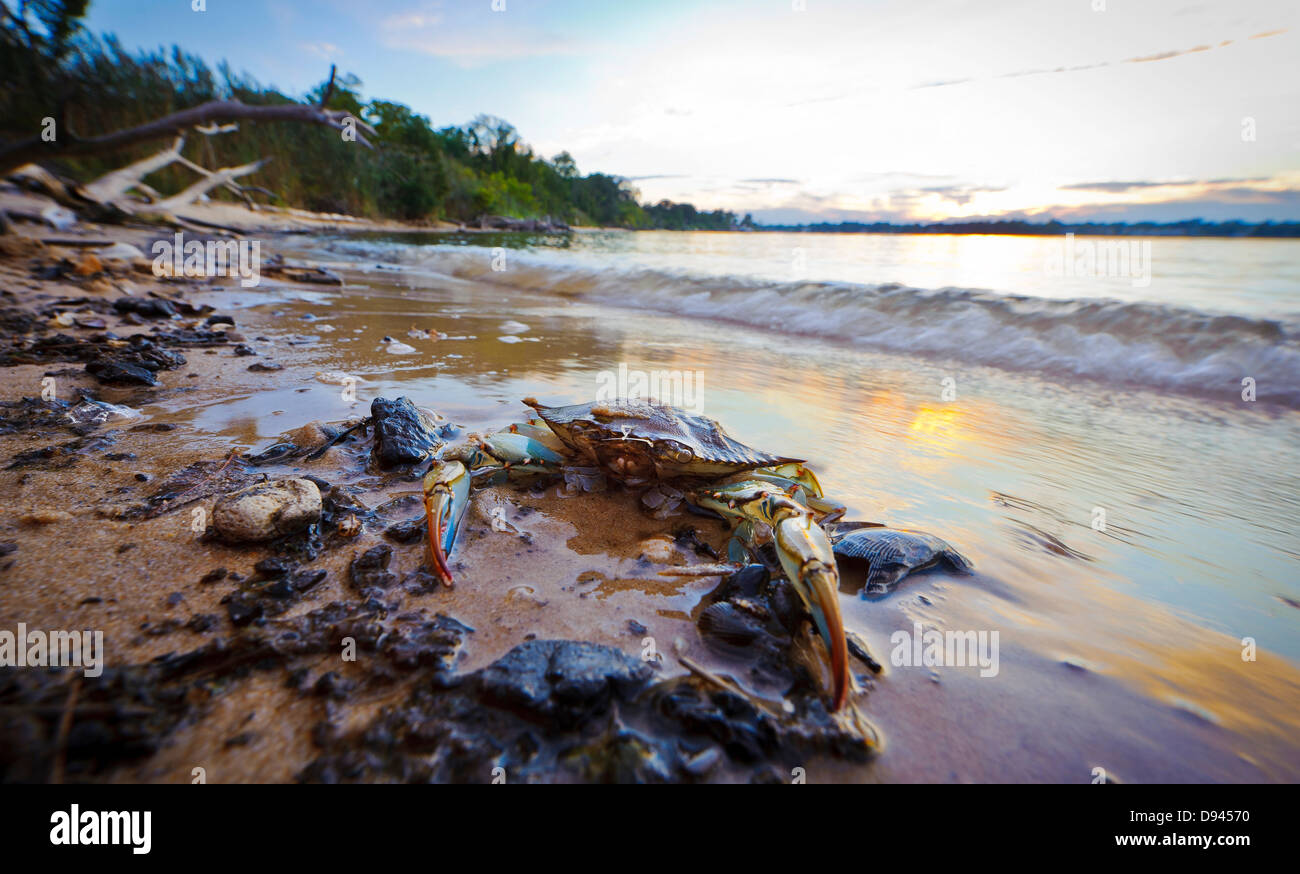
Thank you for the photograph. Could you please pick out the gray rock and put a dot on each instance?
(563, 680)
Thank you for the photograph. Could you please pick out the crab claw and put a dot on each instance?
(446, 495)
(805, 554)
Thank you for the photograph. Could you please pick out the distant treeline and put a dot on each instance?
(1189, 228)
(50, 67)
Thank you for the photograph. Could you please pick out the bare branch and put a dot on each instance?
(114, 184)
(214, 129)
(203, 186)
(329, 88)
(230, 185)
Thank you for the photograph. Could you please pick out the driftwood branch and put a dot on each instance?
(230, 185)
(214, 129)
(203, 186)
(118, 182)
(216, 111)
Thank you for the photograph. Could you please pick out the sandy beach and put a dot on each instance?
(225, 656)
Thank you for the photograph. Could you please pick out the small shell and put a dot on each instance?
(658, 549)
(728, 625)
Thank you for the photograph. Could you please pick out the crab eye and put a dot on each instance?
(674, 451)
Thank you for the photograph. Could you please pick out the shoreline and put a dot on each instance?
(586, 571)
(107, 527)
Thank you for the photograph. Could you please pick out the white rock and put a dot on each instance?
(120, 252)
(267, 510)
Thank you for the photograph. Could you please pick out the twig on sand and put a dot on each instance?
(65, 727)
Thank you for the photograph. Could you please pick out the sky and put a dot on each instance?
(821, 110)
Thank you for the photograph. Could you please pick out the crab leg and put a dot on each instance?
(447, 484)
(801, 483)
(805, 554)
(446, 495)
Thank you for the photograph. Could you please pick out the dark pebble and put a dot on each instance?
(116, 373)
(370, 568)
(201, 622)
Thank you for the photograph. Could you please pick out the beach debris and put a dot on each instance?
(422, 334)
(88, 265)
(543, 712)
(92, 413)
(146, 307)
(120, 373)
(859, 650)
(512, 327)
(133, 362)
(58, 217)
(404, 433)
(892, 554)
(369, 569)
(120, 254)
(274, 453)
(60, 456)
(658, 549)
(267, 510)
(37, 414)
(562, 681)
(408, 531)
(506, 223)
(276, 268)
(754, 619)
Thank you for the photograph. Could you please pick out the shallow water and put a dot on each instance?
(1127, 533)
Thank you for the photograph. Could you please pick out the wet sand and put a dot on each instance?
(1091, 676)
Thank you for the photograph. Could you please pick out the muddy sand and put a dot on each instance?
(332, 654)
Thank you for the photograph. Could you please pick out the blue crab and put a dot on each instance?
(679, 457)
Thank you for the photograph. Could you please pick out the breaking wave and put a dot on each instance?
(1158, 346)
